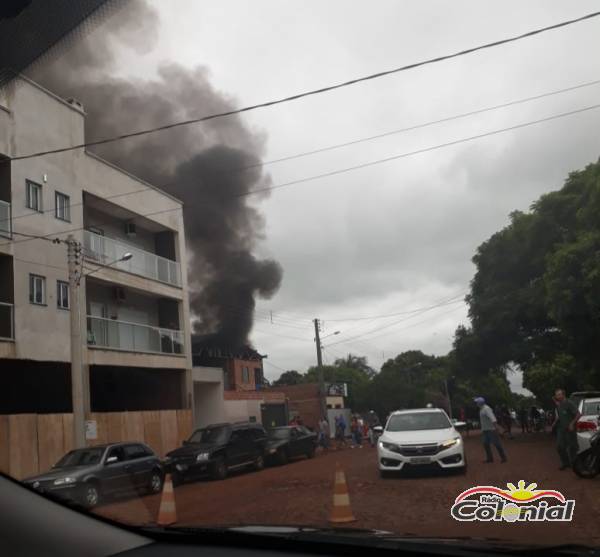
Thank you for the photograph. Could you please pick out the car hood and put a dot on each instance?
(55, 473)
(193, 449)
(421, 436)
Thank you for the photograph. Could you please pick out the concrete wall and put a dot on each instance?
(115, 228)
(33, 119)
(242, 410)
(209, 407)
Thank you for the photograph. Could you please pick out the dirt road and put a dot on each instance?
(301, 493)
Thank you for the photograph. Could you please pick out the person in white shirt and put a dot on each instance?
(489, 431)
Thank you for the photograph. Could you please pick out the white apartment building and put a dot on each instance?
(134, 314)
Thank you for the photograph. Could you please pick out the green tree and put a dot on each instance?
(290, 377)
(534, 297)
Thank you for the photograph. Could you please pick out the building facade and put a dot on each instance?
(133, 295)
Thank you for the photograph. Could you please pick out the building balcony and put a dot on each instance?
(7, 328)
(104, 251)
(5, 219)
(133, 337)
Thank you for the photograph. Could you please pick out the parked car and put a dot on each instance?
(215, 450)
(86, 476)
(588, 424)
(288, 442)
(422, 437)
(578, 396)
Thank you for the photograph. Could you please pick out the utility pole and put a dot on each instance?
(77, 385)
(448, 398)
(320, 371)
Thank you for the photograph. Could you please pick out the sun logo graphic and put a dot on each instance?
(520, 503)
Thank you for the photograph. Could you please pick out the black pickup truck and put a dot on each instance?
(216, 450)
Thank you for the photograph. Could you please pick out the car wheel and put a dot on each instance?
(311, 453)
(219, 470)
(90, 495)
(587, 464)
(282, 456)
(156, 482)
(259, 463)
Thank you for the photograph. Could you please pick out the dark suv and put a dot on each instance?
(85, 476)
(215, 450)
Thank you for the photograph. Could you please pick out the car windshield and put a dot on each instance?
(81, 457)
(418, 421)
(283, 433)
(376, 224)
(591, 408)
(212, 436)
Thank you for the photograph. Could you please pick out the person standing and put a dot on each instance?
(489, 431)
(524, 420)
(340, 431)
(324, 433)
(566, 438)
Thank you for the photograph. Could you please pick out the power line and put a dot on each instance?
(262, 164)
(254, 329)
(356, 167)
(373, 317)
(268, 361)
(40, 264)
(421, 125)
(418, 322)
(396, 322)
(314, 91)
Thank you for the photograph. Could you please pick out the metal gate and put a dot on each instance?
(274, 414)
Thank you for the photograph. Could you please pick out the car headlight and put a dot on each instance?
(388, 446)
(202, 456)
(66, 480)
(450, 442)
(272, 451)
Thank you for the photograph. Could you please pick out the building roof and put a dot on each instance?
(214, 347)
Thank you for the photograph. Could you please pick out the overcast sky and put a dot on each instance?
(400, 235)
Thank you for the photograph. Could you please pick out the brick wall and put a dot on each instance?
(235, 373)
(254, 395)
(303, 400)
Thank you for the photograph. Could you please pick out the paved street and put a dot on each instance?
(301, 493)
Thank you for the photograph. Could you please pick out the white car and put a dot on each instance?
(422, 437)
(588, 424)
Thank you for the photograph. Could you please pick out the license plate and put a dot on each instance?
(420, 460)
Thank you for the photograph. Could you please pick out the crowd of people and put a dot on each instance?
(494, 425)
(562, 423)
(360, 428)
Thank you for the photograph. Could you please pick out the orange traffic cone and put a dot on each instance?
(341, 512)
(167, 513)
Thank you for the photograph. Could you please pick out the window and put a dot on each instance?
(245, 375)
(37, 289)
(62, 206)
(118, 452)
(133, 452)
(62, 294)
(34, 196)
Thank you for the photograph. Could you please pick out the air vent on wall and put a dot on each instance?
(130, 229)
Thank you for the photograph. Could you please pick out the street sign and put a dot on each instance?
(337, 389)
(91, 430)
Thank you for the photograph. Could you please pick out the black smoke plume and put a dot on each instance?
(199, 164)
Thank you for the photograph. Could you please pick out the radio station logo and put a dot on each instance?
(519, 503)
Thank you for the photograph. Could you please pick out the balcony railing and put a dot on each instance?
(5, 220)
(7, 328)
(105, 250)
(133, 337)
